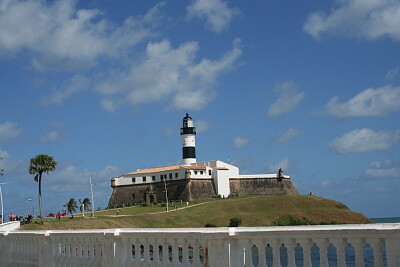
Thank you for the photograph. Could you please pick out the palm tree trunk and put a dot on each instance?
(40, 197)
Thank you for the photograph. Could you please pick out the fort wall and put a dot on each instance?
(185, 190)
(262, 186)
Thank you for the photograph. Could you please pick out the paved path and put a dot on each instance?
(158, 212)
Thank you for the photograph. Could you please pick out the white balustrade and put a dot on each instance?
(242, 246)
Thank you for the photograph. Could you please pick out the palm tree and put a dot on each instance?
(85, 203)
(71, 205)
(38, 165)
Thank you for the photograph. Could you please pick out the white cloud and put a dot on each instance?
(370, 102)
(283, 163)
(369, 19)
(240, 142)
(180, 81)
(70, 178)
(9, 130)
(75, 84)
(288, 99)
(285, 137)
(380, 170)
(202, 126)
(392, 74)
(363, 140)
(57, 134)
(62, 37)
(217, 14)
(52, 136)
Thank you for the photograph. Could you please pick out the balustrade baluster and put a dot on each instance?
(323, 252)
(358, 246)
(196, 254)
(138, 256)
(290, 245)
(377, 246)
(260, 244)
(276, 253)
(156, 252)
(247, 253)
(175, 253)
(339, 244)
(306, 245)
(185, 252)
(393, 252)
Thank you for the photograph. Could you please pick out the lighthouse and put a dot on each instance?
(188, 133)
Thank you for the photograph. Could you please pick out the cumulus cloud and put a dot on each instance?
(379, 170)
(180, 80)
(285, 137)
(59, 36)
(289, 99)
(9, 130)
(240, 142)
(357, 18)
(363, 140)
(216, 13)
(370, 102)
(283, 163)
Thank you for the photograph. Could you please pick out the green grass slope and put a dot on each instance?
(253, 210)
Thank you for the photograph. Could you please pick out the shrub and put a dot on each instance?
(235, 222)
(210, 225)
(144, 203)
(163, 204)
(155, 202)
(290, 219)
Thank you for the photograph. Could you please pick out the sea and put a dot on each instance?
(315, 260)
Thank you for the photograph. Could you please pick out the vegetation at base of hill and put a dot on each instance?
(252, 210)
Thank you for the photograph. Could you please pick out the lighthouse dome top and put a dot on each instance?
(187, 117)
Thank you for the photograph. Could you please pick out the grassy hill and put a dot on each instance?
(253, 210)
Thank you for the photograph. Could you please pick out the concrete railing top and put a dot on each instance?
(226, 230)
(10, 226)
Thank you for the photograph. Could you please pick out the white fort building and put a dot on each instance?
(194, 180)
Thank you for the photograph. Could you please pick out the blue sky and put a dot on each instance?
(102, 86)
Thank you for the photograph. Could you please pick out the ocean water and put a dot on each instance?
(386, 220)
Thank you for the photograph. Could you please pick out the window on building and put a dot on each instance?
(201, 172)
(195, 172)
(209, 172)
(162, 177)
(144, 178)
(170, 176)
(176, 175)
(153, 178)
(133, 180)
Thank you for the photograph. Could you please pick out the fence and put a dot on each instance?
(243, 246)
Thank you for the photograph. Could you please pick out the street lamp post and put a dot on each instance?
(29, 200)
(91, 191)
(2, 205)
(166, 192)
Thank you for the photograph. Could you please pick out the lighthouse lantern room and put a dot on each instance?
(188, 133)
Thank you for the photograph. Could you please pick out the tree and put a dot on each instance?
(71, 206)
(41, 164)
(86, 203)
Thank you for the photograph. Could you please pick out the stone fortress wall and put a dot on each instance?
(192, 189)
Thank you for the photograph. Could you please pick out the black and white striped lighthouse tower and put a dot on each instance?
(188, 133)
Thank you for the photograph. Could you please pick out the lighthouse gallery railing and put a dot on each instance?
(243, 246)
